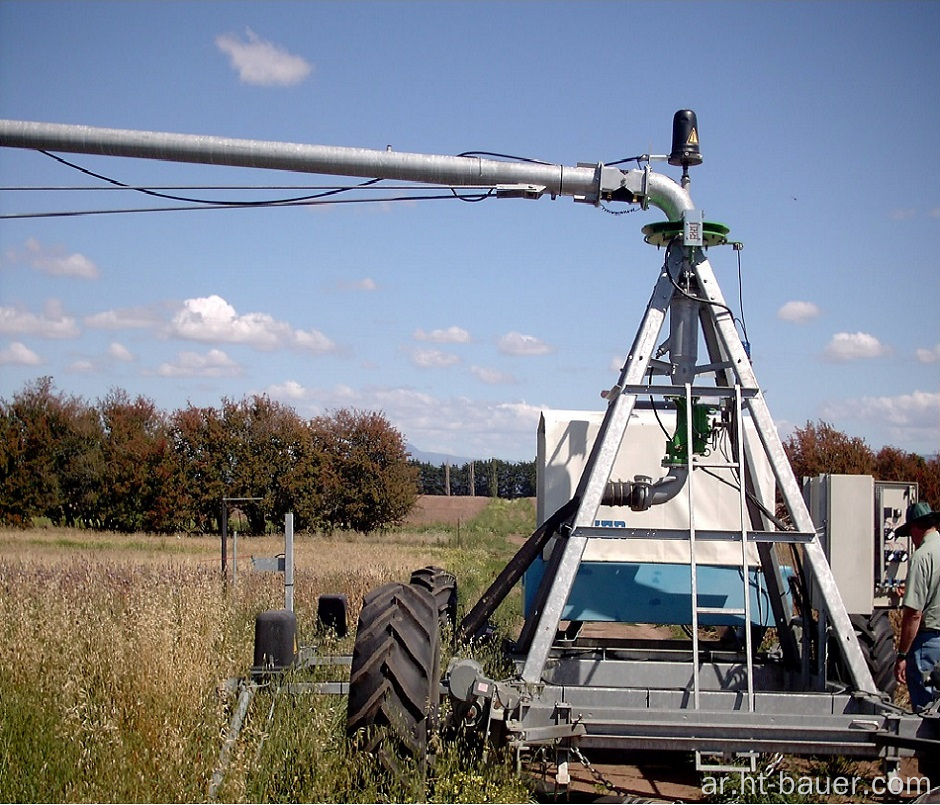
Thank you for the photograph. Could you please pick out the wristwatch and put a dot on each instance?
(902, 655)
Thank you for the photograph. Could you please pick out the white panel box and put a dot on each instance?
(565, 439)
(841, 507)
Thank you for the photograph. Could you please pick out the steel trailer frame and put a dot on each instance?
(580, 692)
(677, 695)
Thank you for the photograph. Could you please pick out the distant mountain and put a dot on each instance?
(437, 458)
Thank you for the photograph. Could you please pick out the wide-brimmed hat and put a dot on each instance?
(918, 511)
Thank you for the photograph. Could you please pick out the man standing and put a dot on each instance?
(919, 642)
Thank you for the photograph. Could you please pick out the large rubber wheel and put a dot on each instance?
(443, 588)
(876, 639)
(394, 680)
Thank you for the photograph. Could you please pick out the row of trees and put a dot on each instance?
(492, 478)
(124, 465)
(819, 448)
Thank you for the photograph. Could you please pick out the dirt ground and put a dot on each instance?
(446, 509)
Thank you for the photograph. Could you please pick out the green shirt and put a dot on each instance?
(923, 581)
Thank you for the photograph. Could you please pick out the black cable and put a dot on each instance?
(692, 297)
(503, 156)
(636, 159)
(223, 203)
(98, 188)
(261, 204)
(741, 301)
(473, 199)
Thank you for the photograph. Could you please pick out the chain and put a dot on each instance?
(598, 777)
(773, 764)
(609, 211)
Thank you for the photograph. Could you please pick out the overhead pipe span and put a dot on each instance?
(592, 183)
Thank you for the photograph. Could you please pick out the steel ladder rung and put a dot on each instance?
(720, 611)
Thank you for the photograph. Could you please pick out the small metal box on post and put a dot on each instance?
(283, 563)
(225, 502)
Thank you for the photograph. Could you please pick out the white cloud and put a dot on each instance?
(19, 354)
(492, 377)
(799, 312)
(119, 352)
(918, 408)
(53, 322)
(909, 418)
(910, 213)
(211, 319)
(366, 285)
(433, 358)
(452, 335)
(263, 63)
(854, 346)
(214, 363)
(129, 318)
(312, 341)
(457, 425)
(929, 355)
(54, 260)
(83, 366)
(514, 343)
(288, 390)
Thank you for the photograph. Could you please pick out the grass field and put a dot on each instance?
(116, 650)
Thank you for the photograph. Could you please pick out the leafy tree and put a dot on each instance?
(199, 447)
(820, 448)
(370, 483)
(138, 479)
(81, 467)
(430, 477)
(492, 478)
(48, 462)
(252, 448)
(892, 464)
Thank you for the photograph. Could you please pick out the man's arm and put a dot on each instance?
(910, 623)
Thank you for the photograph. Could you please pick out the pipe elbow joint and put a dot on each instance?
(642, 493)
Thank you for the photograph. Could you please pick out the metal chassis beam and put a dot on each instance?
(782, 721)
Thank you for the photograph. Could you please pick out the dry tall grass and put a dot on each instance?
(114, 651)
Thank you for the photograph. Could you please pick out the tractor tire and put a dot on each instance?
(395, 676)
(876, 639)
(443, 588)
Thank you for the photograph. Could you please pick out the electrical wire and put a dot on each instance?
(504, 156)
(741, 301)
(223, 203)
(638, 159)
(210, 204)
(273, 204)
(98, 188)
(702, 301)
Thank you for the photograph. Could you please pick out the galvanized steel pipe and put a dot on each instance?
(579, 181)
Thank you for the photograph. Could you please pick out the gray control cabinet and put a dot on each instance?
(856, 517)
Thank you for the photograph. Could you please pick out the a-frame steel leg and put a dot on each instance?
(538, 636)
(793, 499)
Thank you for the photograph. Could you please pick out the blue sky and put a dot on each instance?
(818, 126)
